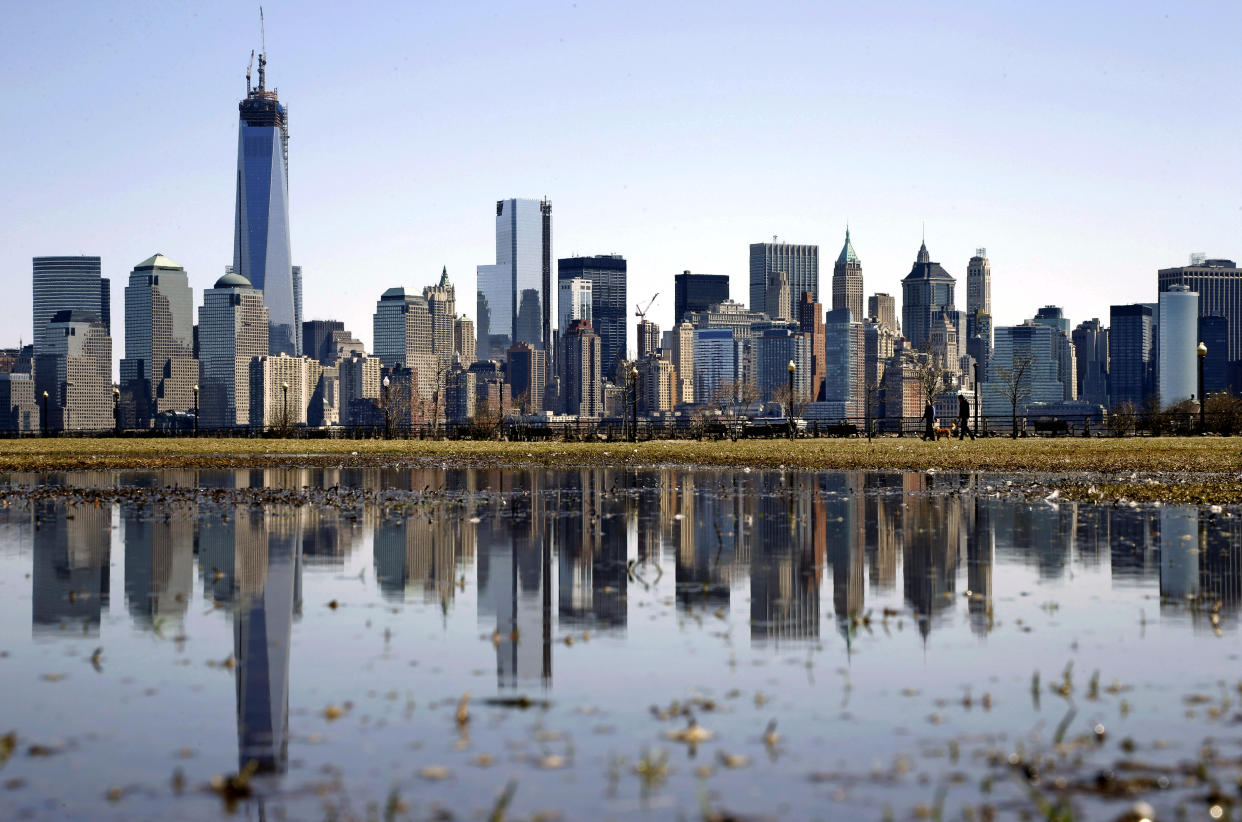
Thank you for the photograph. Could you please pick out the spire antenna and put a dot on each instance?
(263, 52)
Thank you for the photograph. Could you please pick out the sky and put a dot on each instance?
(1085, 145)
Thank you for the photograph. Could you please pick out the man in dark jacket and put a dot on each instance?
(929, 422)
(963, 418)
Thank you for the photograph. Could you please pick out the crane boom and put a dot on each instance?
(641, 311)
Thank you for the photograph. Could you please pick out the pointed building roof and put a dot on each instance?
(848, 254)
(925, 269)
(157, 260)
(924, 257)
(444, 280)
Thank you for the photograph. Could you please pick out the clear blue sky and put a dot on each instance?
(1084, 144)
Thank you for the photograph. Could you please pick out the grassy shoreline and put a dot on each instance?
(1206, 455)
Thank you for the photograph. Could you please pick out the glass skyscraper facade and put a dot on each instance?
(1131, 335)
(515, 299)
(158, 372)
(799, 262)
(68, 284)
(607, 274)
(261, 227)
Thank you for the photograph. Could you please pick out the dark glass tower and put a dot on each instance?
(697, 292)
(261, 226)
(608, 318)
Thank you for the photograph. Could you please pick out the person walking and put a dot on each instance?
(929, 422)
(963, 418)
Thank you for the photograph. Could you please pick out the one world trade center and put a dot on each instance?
(261, 226)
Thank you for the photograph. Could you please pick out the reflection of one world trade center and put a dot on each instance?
(514, 579)
(253, 561)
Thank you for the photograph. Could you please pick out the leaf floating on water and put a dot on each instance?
(434, 773)
(734, 760)
(332, 712)
(463, 709)
(52, 677)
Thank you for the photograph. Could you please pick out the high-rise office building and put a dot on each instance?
(318, 340)
(465, 340)
(233, 331)
(1062, 348)
(359, 388)
(926, 299)
(18, 409)
(573, 301)
(847, 281)
(442, 305)
(697, 292)
(583, 371)
(811, 323)
(845, 350)
(1131, 337)
(883, 307)
(1219, 286)
(401, 327)
(1177, 358)
(1033, 343)
(261, 251)
(648, 338)
(657, 385)
(159, 372)
(779, 305)
(528, 377)
(717, 366)
(978, 289)
(74, 367)
(683, 362)
(1214, 333)
(514, 302)
(731, 315)
(609, 319)
(799, 262)
(774, 350)
(69, 284)
(1091, 353)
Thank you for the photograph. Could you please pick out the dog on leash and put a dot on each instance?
(944, 434)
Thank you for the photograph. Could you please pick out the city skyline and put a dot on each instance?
(1085, 249)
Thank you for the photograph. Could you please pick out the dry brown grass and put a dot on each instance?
(1189, 455)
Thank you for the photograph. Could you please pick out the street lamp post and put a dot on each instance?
(384, 402)
(284, 417)
(195, 390)
(116, 409)
(792, 367)
(46, 423)
(633, 403)
(1202, 397)
(976, 399)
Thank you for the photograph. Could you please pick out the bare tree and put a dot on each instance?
(934, 378)
(1013, 384)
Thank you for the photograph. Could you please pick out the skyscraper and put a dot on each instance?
(583, 376)
(799, 262)
(159, 371)
(847, 281)
(1038, 383)
(514, 302)
(845, 356)
(607, 273)
(74, 367)
(648, 338)
(401, 327)
(697, 292)
(318, 341)
(1177, 364)
(1219, 286)
(1062, 348)
(883, 307)
(261, 251)
(926, 299)
(442, 304)
(69, 284)
(811, 323)
(1214, 333)
(233, 331)
(528, 377)
(779, 303)
(978, 286)
(1091, 353)
(1130, 348)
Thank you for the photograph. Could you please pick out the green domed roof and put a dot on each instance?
(233, 281)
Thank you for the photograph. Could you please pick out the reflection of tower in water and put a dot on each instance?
(159, 562)
(931, 545)
(980, 553)
(837, 516)
(784, 580)
(514, 577)
(253, 561)
(591, 534)
(70, 575)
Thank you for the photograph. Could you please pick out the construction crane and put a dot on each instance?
(248, 68)
(641, 311)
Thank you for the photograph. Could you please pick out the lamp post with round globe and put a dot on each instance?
(792, 367)
(1202, 397)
